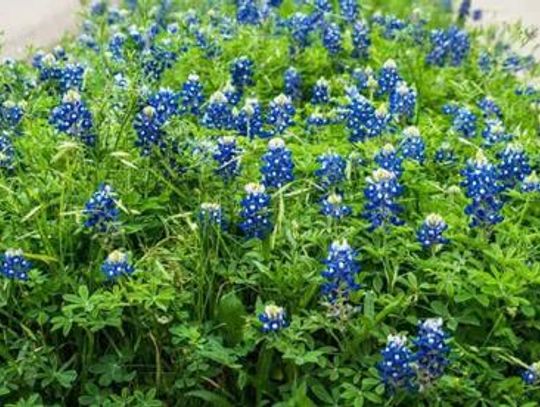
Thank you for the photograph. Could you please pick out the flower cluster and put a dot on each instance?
(7, 152)
(242, 72)
(432, 351)
(413, 146)
(514, 166)
(321, 92)
(191, 96)
(495, 132)
(403, 100)
(117, 264)
(255, 213)
(531, 375)
(445, 154)
(361, 40)
(74, 118)
(483, 187)
(227, 157)
(489, 107)
(388, 159)
(388, 78)
(273, 318)
(431, 231)
(293, 83)
(281, 114)
(451, 45)
(349, 9)
(277, 168)
(218, 114)
(333, 207)
(396, 367)
(14, 265)
(101, 210)
(331, 38)
(464, 122)
(11, 114)
(249, 120)
(381, 193)
(531, 183)
(341, 272)
(331, 169)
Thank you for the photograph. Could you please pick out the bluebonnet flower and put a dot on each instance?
(450, 109)
(413, 146)
(232, 93)
(47, 66)
(531, 375)
(445, 154)
(388, 159)
(331, 169)
(451, 45)
(273, 318)
(432, 351)
(364, 78)
(11, 114)
(242, 72)
(165, 102)
(98, 7)
(293, 83)
(391, 25)
(531, 183)
(464, 10)
(14, 265)
(281, 114)
(321, 92)
(218, 113)
(148, 126)
(378, 123)
(191, 95)
(395, 369)
(116, 46)
(489, 107)
(514, 166)
(101, 210)
(249, 120)
(227, 157)
(381, 193)
(116, 265)
(361, 40)
(7, 152)
(331, 38)
(360, 112)
(388, 78)
(477, 14)
(59, 53)
(495, 132)
(255, 213)
(74, 118)
(485, 62)
(464, 123)
(483, 187)
(71, 77)
(349, 9)
(332, 206)
(316, 119)
(341, 271)
(278, 166)
(402, 100)
(156, 60)
(212, 214)
(431, 231)
(301, 26)
(248, 12)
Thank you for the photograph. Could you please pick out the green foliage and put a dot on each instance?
(182, 331)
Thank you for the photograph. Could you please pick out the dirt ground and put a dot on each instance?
(42, 22)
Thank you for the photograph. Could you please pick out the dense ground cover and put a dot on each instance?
(271, 203)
